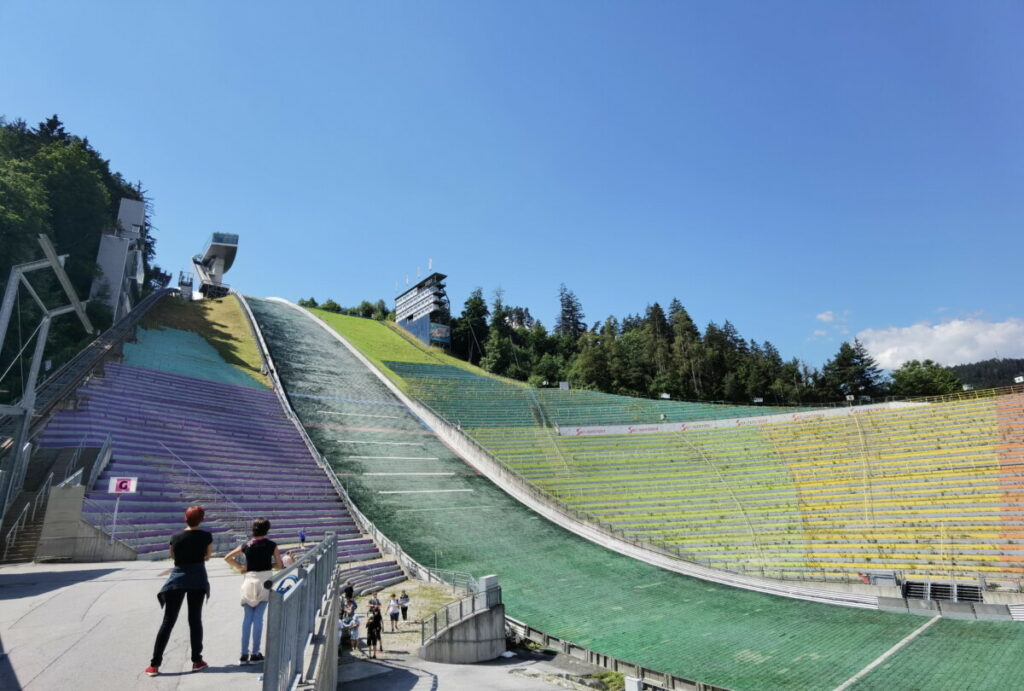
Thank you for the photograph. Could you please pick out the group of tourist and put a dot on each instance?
(191, 549)
(349, 621)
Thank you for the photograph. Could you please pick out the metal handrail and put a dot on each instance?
(223, 496)
(108, 519)
(75, 457)
(298, 595)
(13, 532)
(73, 480)
(454, 612)
(102, 460)
(42, 494)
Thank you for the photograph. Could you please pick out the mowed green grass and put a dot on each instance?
(221, 322)
(381, 342)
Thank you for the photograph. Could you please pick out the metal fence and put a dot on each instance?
(454, 612)
(298, 595)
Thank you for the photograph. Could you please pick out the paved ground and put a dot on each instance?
(91, 626)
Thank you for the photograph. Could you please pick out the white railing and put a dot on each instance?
(101, 462)
(12, 534)
(298, 595)
(42, 495)
(454, 612)
(73, 480)
(108, 519)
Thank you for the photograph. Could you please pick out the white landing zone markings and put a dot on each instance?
(886, 655)
(408, 473)
(421, 491)
(397, 458)
(388, 443)
(441, 508)
(389, 417)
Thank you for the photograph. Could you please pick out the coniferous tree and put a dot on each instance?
(852, 372)
(469, 331)
(571, 320)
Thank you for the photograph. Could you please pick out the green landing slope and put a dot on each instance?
(445, 514)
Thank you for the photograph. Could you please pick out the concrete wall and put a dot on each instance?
(479, 638)
(66, 537)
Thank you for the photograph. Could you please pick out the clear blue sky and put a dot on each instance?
(809, 171)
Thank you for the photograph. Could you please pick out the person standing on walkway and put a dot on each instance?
(393, 609)
(403, 602)
(373, 631)
(190, 549)
(302, 537)
(261, 557)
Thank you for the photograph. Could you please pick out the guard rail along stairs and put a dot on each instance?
(302, 622)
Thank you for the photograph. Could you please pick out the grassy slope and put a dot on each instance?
(221, 322)
(377, 342)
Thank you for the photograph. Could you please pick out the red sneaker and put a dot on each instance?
(152, 671)
(199, 666)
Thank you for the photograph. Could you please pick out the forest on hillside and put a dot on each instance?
(661, 352)
(55, 183)
(989, 374)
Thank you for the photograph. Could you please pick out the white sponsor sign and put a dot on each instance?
(123, 485)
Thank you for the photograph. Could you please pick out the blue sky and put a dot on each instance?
(809, 171)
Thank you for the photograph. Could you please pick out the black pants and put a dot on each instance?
(172, 605)
(405, 613)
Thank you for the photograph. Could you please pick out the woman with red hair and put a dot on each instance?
(190, 549)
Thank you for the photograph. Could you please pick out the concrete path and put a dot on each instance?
(92, 626)
(78, 627)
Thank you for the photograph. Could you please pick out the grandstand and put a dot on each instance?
(919, 492)
(194, 429)
(444, 514)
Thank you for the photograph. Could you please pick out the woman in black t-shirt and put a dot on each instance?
(190, 549)
(261, 556)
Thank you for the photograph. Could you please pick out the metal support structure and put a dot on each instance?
(13, 475)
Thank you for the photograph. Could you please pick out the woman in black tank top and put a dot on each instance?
(261, 557)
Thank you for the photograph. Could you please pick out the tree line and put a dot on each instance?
(659, 353)
(55, 183)
(663, 352)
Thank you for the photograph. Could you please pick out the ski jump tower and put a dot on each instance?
(214, 262)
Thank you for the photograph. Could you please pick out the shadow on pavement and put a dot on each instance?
(8, 679)
(18, 585)
(392, 680)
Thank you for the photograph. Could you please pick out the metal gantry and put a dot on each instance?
(12, 469)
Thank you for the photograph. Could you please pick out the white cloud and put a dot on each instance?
(828, 317)
(954, 342)
(819, 333)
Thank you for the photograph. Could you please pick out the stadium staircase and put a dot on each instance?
(66, 379)
(24, 523)
(189, 440)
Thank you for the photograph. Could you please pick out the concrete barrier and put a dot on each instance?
(66, 537)
(477, 638)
